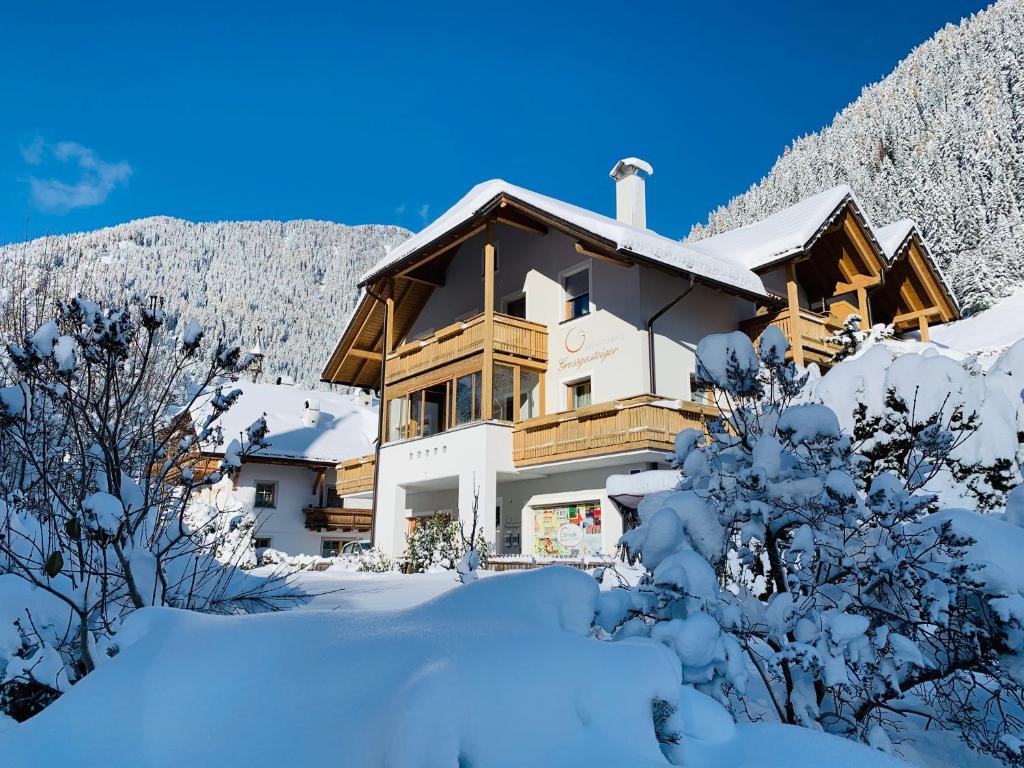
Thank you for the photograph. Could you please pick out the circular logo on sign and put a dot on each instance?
(570, 535)
(574, 340)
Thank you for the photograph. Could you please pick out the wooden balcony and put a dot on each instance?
(338, 519)
(355, 475)
(629, 424)
(812, 335)
(512, 336)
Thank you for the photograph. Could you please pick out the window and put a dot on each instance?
(504, 394)
(396, 419)
(577, 293)
(261, 542)
(330, 547)
(698, 394)
(579, 393)
(529, 393)
(467, 398)
(571, 530)
(516, 307)
(266, 495)
(435, 409)
(515, 394)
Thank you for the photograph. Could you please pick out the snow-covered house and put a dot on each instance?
(525, 349)
(291, 484)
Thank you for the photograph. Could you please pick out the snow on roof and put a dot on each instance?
(643, 243)
(640, 484)
(893, 236)
(343, 430)
(782, 234)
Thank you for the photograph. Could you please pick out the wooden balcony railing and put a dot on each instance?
(812, 334)
(512, 336)
(355, 475)
(630, 424)
(338, 519)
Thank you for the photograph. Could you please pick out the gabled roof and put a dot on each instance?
(896, 237)
(345, 428)
(785, 233)
(629, 240)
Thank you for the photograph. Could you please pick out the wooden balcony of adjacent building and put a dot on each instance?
(812, 331)
(355, 475)
(338, 519)
(642, 422)
(514, 338)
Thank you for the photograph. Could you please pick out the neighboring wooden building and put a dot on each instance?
(525, 348)
(291, 486)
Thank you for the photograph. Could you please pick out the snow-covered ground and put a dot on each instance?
(498, 673)
(986, 333)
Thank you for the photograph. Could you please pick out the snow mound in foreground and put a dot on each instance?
(497, 673)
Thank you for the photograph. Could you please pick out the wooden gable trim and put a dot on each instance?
(930, 282)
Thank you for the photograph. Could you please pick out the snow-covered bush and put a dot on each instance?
(789, 569)
(851, 338)
(98, 478)
(438, 541)
(227, 527)
(376, 561)
(950, 428)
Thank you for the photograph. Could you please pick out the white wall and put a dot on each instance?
(454, 462)
(678, 331)
(285, 524)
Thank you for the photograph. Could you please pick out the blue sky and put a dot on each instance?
(388, 112)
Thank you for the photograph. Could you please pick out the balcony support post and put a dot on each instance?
(487, 374)
(793, 296)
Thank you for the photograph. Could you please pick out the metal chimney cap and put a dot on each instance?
(628, 166)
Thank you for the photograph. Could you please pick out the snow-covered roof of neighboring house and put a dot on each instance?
(344, 428)
(785, 233)
(631, 240)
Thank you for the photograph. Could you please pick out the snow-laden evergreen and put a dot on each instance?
(296, 279)
(940, 140)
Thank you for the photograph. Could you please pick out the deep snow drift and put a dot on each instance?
(497, 673)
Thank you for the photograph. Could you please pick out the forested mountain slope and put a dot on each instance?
(940, 140)
(296, 279)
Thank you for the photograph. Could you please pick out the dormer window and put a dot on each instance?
(577, 293)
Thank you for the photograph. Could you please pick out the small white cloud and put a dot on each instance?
(424, 212)
(32, 153)
(400, 210)
(96, 180)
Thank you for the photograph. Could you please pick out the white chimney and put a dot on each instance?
(311, 413)
(630, 198)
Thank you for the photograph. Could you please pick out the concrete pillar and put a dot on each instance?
(390, 519)
(485, 481)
